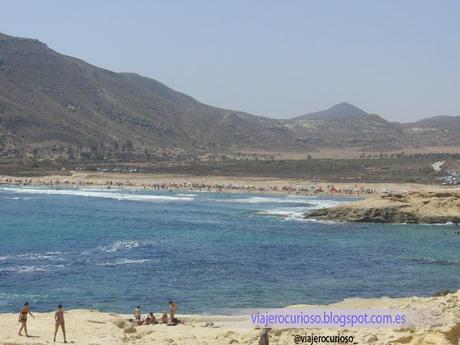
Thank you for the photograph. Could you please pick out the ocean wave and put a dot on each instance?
(432, 261)
(124, 262)
(42, 256)
(125, 245)
(96, 194)
(260, 200)
(310, 202)
(320, 203)
(299, 212)
(294, 215)
(53, 256)
(99, 189)
(30, 268)
(292, 212)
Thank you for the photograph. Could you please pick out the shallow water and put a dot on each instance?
(212, 252)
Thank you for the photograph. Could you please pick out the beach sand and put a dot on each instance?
(93, 327)
(231, 184)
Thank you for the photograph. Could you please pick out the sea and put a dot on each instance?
(212, 253)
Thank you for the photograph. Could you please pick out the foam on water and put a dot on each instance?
(324, 203)
(30, 268)
(432, 261)
(285, 212)
(305, 201)
(124, 262)
(297, 213)
(260, 200)
(52, 256)
(98, 194)
(126, 245)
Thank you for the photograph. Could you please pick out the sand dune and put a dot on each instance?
(93, 327)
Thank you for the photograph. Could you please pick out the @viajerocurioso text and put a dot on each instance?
(323, 339)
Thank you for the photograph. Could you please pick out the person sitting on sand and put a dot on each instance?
(23, 318)
(150, 319)
(164, 318)
(137, 313)
(138, 320)
(59, 318)
(172, 309)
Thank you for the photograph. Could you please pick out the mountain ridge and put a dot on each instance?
(337, 111)
(54, 104)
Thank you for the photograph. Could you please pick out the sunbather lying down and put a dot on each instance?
(175, 322)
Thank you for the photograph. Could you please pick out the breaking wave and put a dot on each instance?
(124, 262)
(126, 245)
(99, 194)
(30, 268)
(432, 261)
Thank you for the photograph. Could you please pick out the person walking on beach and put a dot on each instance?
(23, 318)
(172, 309)
(59, 318)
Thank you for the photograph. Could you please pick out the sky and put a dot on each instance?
(398, 59)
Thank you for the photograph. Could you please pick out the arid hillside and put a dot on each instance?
(55, 107)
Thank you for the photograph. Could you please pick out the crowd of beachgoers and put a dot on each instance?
(312, 188)
(138, 319)
(150, 319)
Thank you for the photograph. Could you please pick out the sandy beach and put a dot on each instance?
(219, 183)
(93, 327)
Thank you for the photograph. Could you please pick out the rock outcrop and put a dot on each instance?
(427, 208)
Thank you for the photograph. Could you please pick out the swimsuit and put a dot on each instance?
(24, 316)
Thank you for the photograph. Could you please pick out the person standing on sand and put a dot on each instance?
(172, 309)
(23, 318)
(59, 318)
(264, 338)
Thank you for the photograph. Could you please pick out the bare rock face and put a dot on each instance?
(427, 208)
(366, 215)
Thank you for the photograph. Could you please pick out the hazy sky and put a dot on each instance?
(399, 59)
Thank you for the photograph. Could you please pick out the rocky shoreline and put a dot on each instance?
(412, 208)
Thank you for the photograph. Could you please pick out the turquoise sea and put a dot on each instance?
(210, 252)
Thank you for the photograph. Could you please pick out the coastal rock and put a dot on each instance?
(372, 339)
(130, 329)
(121, 323)
(453, 335)
(415, 207)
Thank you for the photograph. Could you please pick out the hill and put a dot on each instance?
(57, 107)
(434, 131)
(339, 111)
(49, 100)
(450, 123)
